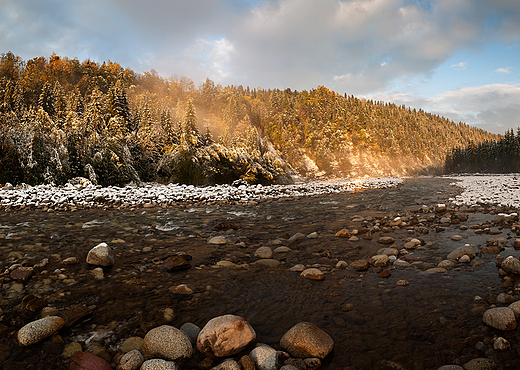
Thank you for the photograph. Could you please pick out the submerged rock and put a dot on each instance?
(88, 361)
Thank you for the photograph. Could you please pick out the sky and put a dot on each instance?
(456, 58)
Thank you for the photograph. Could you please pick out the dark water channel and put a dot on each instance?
(375, 323)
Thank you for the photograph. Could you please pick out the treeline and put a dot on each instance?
(61, 118)
(501, 156)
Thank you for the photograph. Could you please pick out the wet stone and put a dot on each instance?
(313, 274)
(360, 265)
(167, 342)
(158, 364)
(386, 240)
(40, 329)
(22, 273)
(73, 314)
(306, 340)
(176, 263)
(264, 252)
(502, 318)
(101, 255)
(88, 361)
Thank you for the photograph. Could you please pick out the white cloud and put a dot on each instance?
(460, 66)
(503, 70)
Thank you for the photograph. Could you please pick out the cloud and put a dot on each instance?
(503, 70)
(460, 66)
(493, 107)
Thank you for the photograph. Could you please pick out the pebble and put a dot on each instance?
(40, 329)
(480, 364)
(386, 240)
(218, 240)
(341, 265)
(450, 367)
(70, 348)
(181, 289)
(511, 265)
(297, 268)
(283, 250)
(360, 265)
(343, 233)
(98, 273)
(264, 252)
(167, 342)
(296, 237)
(313, 235)
(267, 262)
(501, 344)
(191, 330)
(158, 364)
(313, 274)
(402, 282)
(227, 364)
(461, 251)
(132, 343)
(464, 259)
(131, 360)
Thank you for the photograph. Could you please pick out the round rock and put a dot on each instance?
(100, 255)
(167, 342)
(225, 336)
(131, 360)
(480, 364)
(158, 364)
(306, 340)
(501, 318)
(511, 265)
(264, 252)
(386, 240)
(40, 329)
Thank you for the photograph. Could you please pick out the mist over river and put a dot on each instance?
(413, 309)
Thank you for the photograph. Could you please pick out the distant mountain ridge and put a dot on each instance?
(61, 118)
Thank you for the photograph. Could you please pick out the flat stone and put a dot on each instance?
(360, 265)
(73, 314)
(306, 340)
(22, 273)
(297, 268)
(267, 262)
(457, 238)
(283, 250)
(219, 240)
(296, 237)
(40, 329)
(176, 263)
(88, 361)
(386, 240)
(313, 274)
(313, 235)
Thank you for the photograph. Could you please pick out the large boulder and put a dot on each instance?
(306, 340)
(40, 329)
(511, 265)
(101, 255)
(225, 336)
(168, 343)
(502, 318)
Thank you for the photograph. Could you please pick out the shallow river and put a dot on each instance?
(375, 323)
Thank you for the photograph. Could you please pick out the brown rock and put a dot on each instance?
(22, 273)
(360, 265)
(313, 274)
(32, 303)
(491, 250)
(225, 336)
(73, 314)
(516, 244)
(176, 263)
(343, 233)
(386, 240)
(385, 274)
(247, 363)
(88, 361)
(306, 340)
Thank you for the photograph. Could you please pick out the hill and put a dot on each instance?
(61, 118)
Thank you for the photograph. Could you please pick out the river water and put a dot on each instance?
(375, 323)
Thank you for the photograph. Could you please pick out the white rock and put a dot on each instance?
(40, 329)
(313, 235)
(464, 259)
(219, 240)
(501, 344)
(100, 255)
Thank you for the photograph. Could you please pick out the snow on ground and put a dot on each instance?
(502, 190)
(155, 194)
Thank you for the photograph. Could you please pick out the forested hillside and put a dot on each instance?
(61, 118)
(502, 156)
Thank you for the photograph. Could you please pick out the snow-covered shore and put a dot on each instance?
(72, 196)
(501, 190)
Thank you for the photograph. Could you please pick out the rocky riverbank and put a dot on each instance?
(398, 278)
